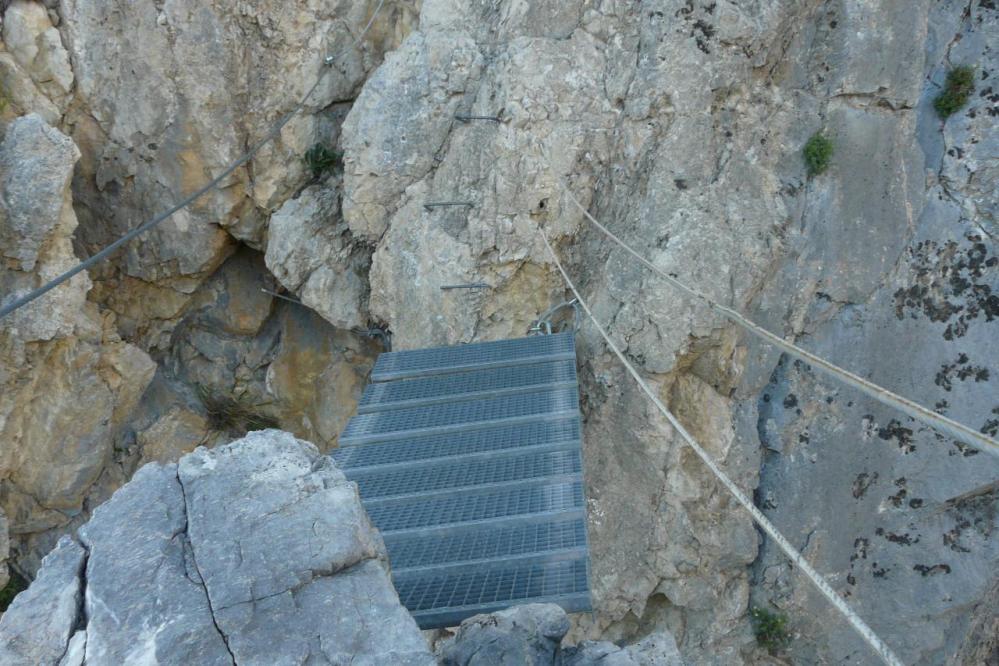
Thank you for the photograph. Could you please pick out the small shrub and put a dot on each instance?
(957, 89)
(234, 416)
(770, 629)
(15, 586)
(321, 159)
(818, 152)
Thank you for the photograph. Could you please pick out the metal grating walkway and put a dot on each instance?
(468, 460)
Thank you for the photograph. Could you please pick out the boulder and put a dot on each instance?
(256, 552)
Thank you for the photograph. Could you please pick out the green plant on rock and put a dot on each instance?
(232, 415)
(957, 89)
(770, 629)
(818, 153)
(321, 159)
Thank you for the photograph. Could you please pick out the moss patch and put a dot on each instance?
(321, 159)
(957, 89)
(818, 152)
(770, 629)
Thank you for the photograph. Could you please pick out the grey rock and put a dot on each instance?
(324, 595)
(76, 650)
(532, 634)
(144, 598)
(901, 519)
(352, 617)
(258, 552)
(658, 649)
(243, 496)
(36, 161)
(401, 118)
(527, 635)
(309, 251)
(36, 628)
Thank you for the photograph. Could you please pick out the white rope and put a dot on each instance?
(872, 639)
(936, 421)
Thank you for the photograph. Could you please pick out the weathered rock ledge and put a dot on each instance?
(257, 552)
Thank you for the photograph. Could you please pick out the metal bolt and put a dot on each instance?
(436, 204)
(470, 285)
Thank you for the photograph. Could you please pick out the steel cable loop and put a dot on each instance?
(938, 422)
(187, 201)
(862, 628)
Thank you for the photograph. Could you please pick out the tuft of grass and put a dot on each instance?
(770, 629)
(234, 416)
(957, 89)
(15, 586)
(321, 159)
(818, 152)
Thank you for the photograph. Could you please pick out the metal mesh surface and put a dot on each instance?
(462, 474)
(443, 360)
(466, 385)
(555, 433)
(468, 459)
(391, 515)
(460, 415)
(484, 543)
(423, 592)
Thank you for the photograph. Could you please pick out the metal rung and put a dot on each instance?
(461, 358)
(377, 483)
(482, 543)
(456, 416)
(437, 600)
(556, 432)
(466, 386)
(470, 506)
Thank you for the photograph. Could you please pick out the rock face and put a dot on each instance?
(67, 381)
(311, 252)
(205, 562)
(531, 635)
(906, 524)
(679, 125)
(212, 79)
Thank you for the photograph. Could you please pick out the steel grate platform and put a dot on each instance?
(460, 415)
(466, 385)
(468, 459)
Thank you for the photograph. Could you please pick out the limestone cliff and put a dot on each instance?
(679, 123)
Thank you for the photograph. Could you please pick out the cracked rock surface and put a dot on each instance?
(256, 552)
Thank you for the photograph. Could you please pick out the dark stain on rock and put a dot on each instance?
(960, 370)
(948, 286)
(952, 537)
(900, 434)
(862, 483)
(932, 570)
(899, 539)
(790, 401)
